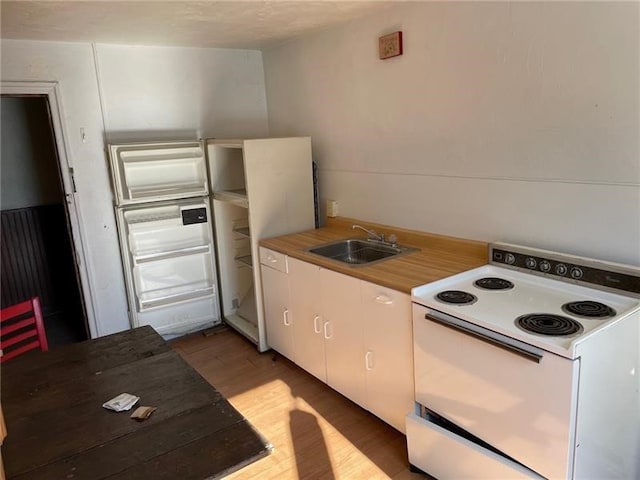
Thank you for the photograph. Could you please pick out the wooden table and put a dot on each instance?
(58, 429)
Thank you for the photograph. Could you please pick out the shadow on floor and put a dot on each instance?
(233, 365)
(304, 427)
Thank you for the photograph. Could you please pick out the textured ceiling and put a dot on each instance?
(229, 24)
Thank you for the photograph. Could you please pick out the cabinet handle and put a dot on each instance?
(316, 327)
(367, 360)
(285, 317)
(271, 259)
(384, 299)
(327, 333)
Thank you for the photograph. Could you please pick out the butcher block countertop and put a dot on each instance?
(439, 256)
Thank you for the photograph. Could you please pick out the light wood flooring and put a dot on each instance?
(316, 432)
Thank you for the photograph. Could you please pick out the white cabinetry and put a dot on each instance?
(305, 307)
(353, 335)
(275, 287)
(388, 353)
(342, 330)
(261, 188)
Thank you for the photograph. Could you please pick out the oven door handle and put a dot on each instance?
(533, 357)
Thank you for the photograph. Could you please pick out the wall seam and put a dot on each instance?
(490, 178)
(103, 110)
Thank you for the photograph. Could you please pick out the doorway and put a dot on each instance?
(37, 250)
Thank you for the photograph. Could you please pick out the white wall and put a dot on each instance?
(72, 66)
(169, 93)
(155, 92)
(501, 121)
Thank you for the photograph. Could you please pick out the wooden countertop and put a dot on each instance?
(439, 256)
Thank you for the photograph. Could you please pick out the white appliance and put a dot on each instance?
(166, 240)
(528, 368)
(260, 188)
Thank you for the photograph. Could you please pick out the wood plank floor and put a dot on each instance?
(316, 432)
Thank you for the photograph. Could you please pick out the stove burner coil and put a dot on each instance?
(456, 297)
(548, 324)
(589, 309)
(493, 283)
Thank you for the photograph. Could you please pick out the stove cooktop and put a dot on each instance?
(550, 314)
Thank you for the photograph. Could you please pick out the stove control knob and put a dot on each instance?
(545, 266)
(561, 269)
(510, 258)
(531, 263)
(576, 273)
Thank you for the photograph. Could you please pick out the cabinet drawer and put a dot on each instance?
(386, 298)
(272, 259)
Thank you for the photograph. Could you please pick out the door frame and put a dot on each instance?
(51, 91)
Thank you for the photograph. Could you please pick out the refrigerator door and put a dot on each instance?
(170, 265)
(151, 172)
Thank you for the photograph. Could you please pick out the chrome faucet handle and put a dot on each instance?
(371, 233)
(393, 239)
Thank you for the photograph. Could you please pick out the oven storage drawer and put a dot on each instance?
(520, 402)
(445, 455)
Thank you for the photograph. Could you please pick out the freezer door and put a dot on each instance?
(150, 172)
(170, 264)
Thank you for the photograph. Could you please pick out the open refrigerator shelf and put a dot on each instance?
(245, 261)
(242, 231)
(236, 197)
(174, 191)
(152, 256)
(163, 299)
(161, 159)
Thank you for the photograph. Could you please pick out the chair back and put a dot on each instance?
(21, 329)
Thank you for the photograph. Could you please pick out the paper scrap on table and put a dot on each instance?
(122, 402)
(142, 413)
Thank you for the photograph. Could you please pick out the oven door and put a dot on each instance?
(517, 398)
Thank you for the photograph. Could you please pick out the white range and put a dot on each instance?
(528, 368)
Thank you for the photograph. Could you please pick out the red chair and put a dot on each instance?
(21, 329)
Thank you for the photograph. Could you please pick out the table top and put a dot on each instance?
(57, 427)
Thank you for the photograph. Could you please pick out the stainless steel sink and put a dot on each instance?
(355, 251)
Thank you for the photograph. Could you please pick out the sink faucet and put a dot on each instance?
(372, 233)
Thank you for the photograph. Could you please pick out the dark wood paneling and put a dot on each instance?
(37, 260)
(25, 266)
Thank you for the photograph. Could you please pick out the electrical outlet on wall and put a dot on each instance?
(332, 208)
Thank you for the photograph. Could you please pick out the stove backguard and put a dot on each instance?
(569, 268)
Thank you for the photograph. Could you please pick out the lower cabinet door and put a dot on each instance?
(388, 357)
(342, 329)
(275, 285)
(306, 316)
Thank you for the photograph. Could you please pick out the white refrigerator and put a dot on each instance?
(164, 223)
